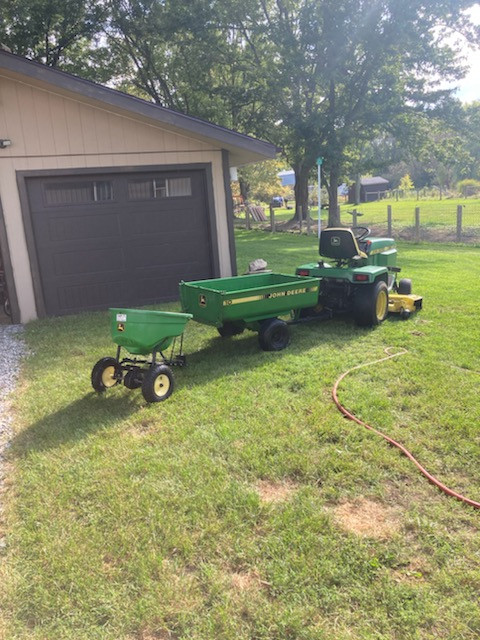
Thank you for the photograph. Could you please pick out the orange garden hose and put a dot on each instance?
(404, 450)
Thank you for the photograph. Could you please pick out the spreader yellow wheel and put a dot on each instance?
(105, 374)
(157, 383)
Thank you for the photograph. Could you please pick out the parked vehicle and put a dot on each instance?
(276, 202)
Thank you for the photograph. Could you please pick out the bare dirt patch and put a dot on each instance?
(161, 634)
(365, 517)
(273, 492)
(247, 581)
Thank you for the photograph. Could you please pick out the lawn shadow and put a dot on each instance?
(220, 357)
(73, 422)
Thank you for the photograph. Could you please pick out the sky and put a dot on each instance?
(469, 87)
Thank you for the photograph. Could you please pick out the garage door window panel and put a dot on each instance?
(158, 188)
(76, 193)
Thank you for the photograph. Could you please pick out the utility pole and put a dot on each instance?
(319, 168)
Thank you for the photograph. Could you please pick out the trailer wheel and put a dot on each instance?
(157, 383)
(405, 287)
(133, 379)
(229, 329)
(370, 305)
(274, 335)
(105, 374)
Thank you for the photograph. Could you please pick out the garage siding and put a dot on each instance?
(119, 239)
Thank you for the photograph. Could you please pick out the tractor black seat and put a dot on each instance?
(339, 244)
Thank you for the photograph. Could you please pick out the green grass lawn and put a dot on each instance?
(433, 213)
(245, 507)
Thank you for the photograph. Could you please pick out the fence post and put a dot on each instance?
(417, 224)
(272, 219)
(308, 222)
(389, 220)
(396, 195)
(300, 214)
(354, 218)
(459, 222)
(247, 218)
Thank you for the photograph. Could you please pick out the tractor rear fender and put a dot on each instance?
(368, 275)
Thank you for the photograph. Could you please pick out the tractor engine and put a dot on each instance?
(336, 294)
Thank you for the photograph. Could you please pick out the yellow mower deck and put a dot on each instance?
(399, 303)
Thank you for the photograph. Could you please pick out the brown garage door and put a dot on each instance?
(123, 239)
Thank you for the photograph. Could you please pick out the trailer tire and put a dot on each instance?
(273, 335)
(405, 287)
(133, 379)
(157, 383)
(229, 329)
(370, 304)
(105, 374)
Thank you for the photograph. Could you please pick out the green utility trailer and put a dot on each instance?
(250, 302)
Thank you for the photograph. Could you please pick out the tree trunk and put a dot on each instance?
(301, 192)
(244, 189)
(333, 210)
(357, 188)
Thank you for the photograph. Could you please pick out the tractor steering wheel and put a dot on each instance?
(361, 233)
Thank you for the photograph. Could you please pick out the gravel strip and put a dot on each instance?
(12, 350)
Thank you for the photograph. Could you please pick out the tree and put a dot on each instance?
(58, 33)
(406, 183)
(340, 71)
(260, 181)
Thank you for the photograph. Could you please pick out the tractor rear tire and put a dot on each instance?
(273, 335)
(229, 329)
(370, 306)
(405, 287)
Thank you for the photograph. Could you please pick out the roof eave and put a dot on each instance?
(243, 149)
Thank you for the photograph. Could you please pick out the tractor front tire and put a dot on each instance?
(405, 287)
(229, 329)
(157, 383)
(370, 306)
(273, 335)
(105, 374)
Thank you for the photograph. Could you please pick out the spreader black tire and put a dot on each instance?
(370, 305)
(405, 287)
(157, 383)
(105, 374)
(229, 329)
(133, 379)
(274, 335)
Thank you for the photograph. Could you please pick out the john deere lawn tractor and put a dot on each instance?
(360, 279)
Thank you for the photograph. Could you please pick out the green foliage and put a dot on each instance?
(63, 33)
(468, 186)
(406, 183)
(260, 181)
